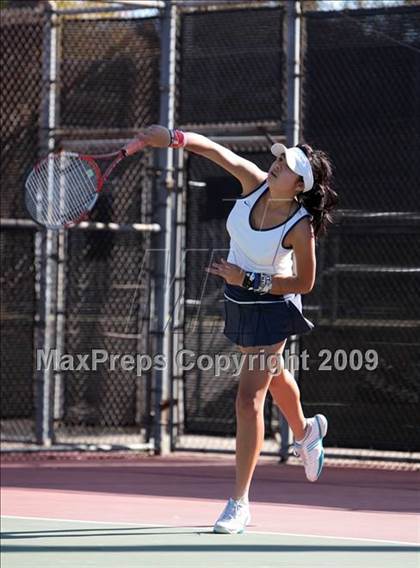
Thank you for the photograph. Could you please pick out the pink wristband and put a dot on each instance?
(178, 139)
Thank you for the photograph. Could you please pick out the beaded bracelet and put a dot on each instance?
(258, 282)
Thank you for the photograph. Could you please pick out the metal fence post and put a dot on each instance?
(293, 125)
(293, 122)
(46, 244)
(165, 204)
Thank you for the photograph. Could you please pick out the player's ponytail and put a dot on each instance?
(321, 199)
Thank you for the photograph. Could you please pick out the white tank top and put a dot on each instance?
(260, 250)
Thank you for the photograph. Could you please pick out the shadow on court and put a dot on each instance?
(102, 532)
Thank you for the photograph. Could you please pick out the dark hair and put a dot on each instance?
(321, 199)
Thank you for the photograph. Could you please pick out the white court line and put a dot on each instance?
(152, 525)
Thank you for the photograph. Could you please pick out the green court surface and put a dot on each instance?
(56, 543)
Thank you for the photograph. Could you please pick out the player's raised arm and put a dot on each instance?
(248, 173)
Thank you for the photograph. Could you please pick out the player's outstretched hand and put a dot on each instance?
(155, 136)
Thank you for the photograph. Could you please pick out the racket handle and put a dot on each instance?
(133, 147)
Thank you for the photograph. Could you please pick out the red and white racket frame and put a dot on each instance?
(128, 150)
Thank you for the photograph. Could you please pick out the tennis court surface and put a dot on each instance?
(159, 511)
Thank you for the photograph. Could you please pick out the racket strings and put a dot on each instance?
(60, 184)
(47, 189)
(61, 189)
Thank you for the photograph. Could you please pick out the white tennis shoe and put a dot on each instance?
(234, 518)
(310, 449)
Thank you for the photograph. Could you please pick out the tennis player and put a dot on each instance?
(273, 227)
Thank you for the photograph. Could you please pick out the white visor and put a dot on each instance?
(297, 161)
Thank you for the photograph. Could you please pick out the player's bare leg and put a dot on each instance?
(286, 395)
(252, 391)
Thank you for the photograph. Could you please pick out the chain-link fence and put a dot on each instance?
(21, 87)
(359, 97)
(104, 92)
(225, 62)
(108, 89)
(358, 102)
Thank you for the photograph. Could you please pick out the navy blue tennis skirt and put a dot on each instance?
(250, 324)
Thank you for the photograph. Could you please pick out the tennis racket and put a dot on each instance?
(63, 188)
